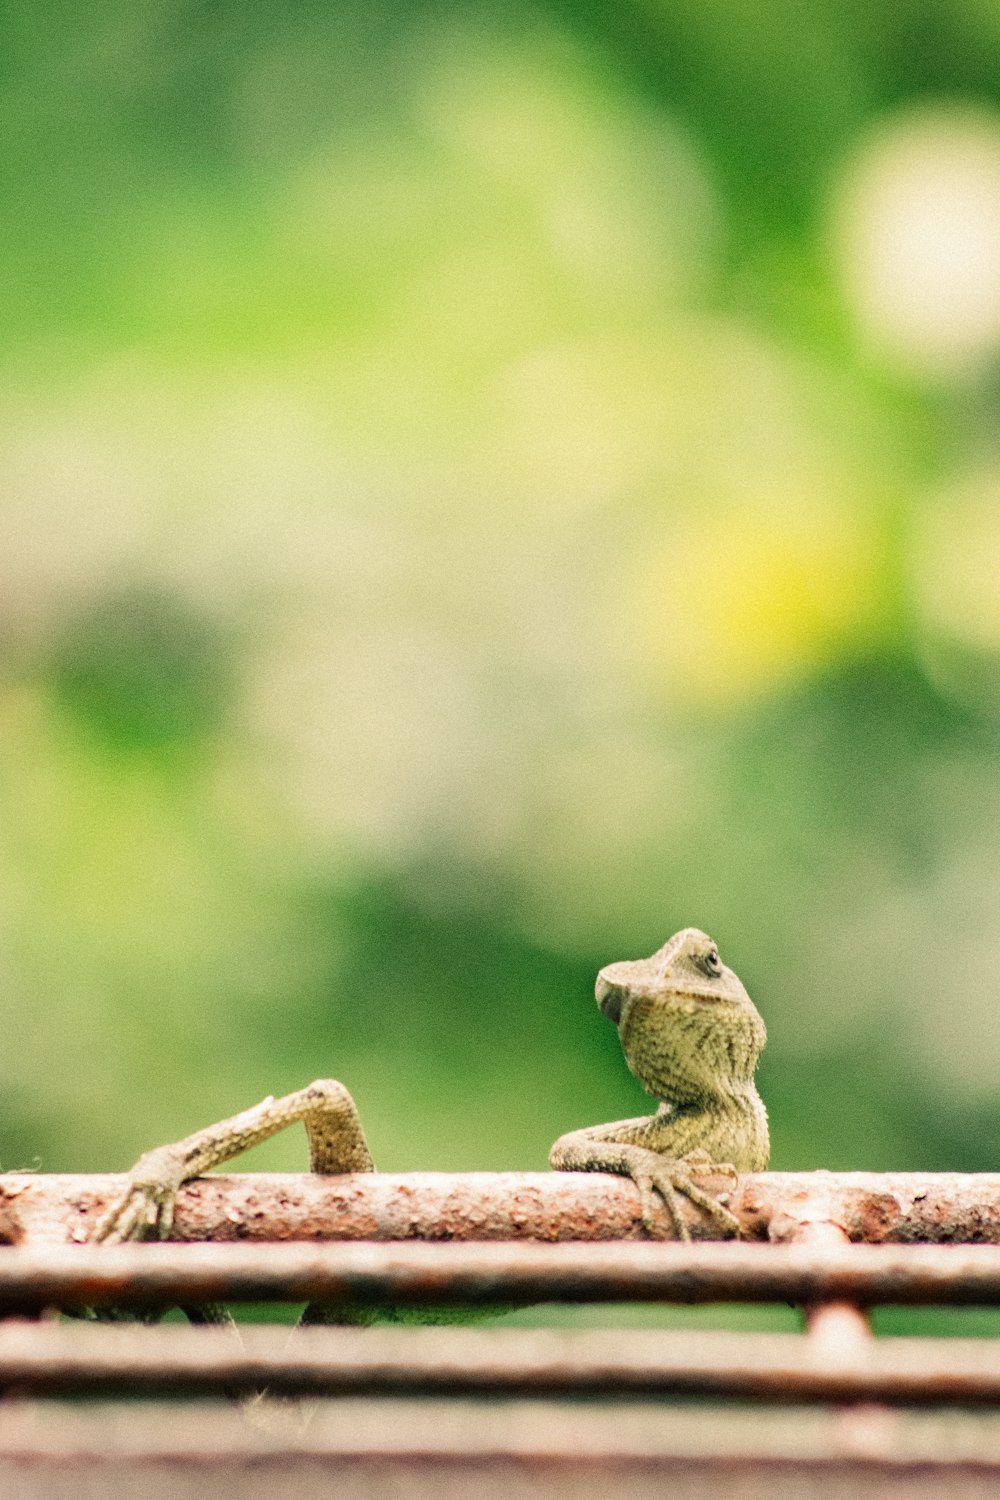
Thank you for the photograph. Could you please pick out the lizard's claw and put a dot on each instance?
(673, 1177)
(145, 1209)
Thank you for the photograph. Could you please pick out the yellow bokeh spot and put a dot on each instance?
(750, 597)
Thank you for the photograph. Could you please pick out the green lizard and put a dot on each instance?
(690, 1034)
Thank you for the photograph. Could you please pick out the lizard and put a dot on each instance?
(689, 1032)
(692, 1036)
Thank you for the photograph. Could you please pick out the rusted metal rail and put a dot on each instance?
(425, 1275)
(835, 1244)
(901, 1207)
(55, 1360)
(356, 1448)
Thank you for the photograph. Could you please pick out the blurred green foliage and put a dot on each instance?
(470, 507)
(142, 672)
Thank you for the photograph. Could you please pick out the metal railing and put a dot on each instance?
(836, 1245)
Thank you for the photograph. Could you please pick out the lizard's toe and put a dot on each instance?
(711, 1207)
(144, 1210)
(112, 1227)
(668, 1182)
(660, 1184)
(166, 1216)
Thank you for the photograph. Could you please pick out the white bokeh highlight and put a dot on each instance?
(917, 236)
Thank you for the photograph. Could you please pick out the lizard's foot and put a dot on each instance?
(669, 1178)
(145, 1209)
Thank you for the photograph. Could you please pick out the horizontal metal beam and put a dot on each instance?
(357, 1447)
(54, 1360)
(427, 1275)
(899, 1207)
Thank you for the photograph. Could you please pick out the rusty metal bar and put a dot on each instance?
(356, 1448)
(54, 1360)
(421, 1274)
(897, 1207)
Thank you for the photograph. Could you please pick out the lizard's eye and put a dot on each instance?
(710, 962)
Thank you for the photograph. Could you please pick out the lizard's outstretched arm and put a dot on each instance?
(336, 1144)
(646, 1149)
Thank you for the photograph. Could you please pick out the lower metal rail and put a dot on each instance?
(56, 1360)
(421, 1274)
(399, 1449)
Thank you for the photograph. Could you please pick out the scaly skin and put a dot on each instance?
(692, 1036)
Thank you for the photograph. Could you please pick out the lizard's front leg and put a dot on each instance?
(619, 1148)
(336, 1144)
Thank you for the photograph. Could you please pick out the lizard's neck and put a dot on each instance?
(723, 1093)
(692, 1054)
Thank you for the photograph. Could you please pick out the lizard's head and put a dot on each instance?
(686, 1023)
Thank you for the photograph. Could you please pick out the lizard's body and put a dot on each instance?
(689, 1031)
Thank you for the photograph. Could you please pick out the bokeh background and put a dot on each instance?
(480, 489)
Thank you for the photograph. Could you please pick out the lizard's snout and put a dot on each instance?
(610, 997)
